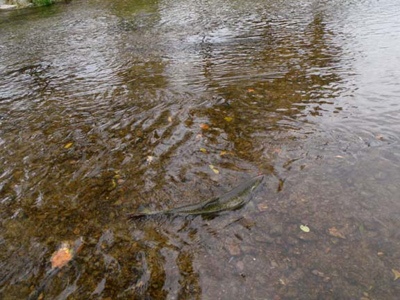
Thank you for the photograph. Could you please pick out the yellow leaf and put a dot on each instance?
(396, 274)
(228, 119)
(305, 228)
(334, 232)
(113, 184)
(216, 171)
(262, 206)
(222, 153)
(203, 150)
(170, 119)
(68, 145)
(61, 257)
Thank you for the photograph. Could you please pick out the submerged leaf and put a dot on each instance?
(67, 146)
(396, 274)
(170, 119)
(113, 184)
(149, 158)
(228, 119)
(334, 232)
(216, 171)
(204, 126)
(262, 206)
(203, 150)
(305, 228)
(222, 153)
(61, 257)
(250, 90)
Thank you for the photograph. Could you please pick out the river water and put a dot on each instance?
(110, 106)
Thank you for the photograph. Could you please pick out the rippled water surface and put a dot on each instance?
(110, 106)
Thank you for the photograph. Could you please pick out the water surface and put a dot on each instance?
(109, 106)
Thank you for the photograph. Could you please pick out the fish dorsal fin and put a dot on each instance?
(211, 201)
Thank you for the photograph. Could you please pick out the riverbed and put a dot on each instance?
(108, 107)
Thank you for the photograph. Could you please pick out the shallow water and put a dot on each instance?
(109, 106)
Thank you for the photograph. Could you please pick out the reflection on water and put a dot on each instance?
(108, 106)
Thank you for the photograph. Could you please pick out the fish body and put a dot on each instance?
(234, 199)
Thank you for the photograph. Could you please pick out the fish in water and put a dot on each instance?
(231, 200)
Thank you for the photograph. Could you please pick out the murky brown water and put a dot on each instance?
(102, 111)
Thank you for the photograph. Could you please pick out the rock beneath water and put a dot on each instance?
(234, 249)
(264, 239)
(276, 230)
(240, 265)
(7, 7)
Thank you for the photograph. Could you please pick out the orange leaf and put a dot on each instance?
(250, 90)
(61, 257)
(204, 126)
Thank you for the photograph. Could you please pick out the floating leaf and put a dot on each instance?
(305, 228)
(396, 274)
(228, 119)
(61, 257)
(204, 126)
(170, 119)
(334, 232)
(203, 150)
(216, 171)
(67, 146)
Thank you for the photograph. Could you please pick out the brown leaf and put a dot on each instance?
(334, 232)
(61, 257)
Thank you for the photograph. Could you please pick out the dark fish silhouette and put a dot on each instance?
(231, 200)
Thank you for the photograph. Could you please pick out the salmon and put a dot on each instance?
(232, 200)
